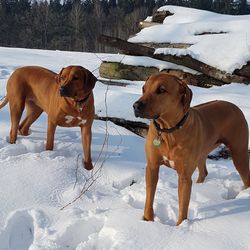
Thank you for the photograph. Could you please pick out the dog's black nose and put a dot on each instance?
(138, 108)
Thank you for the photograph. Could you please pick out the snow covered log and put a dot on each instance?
(244, 71)
(167, 45)
(116, 70)
(187, 61)
(159, 16)
(145, 24)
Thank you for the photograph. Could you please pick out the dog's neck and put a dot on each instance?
(78, 104)
(164, 125)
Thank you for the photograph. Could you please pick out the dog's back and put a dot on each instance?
(31, 83)
(30, 75)
(224, 117)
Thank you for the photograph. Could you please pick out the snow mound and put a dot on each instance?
(222, 41)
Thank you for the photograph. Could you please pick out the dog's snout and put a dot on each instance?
(138, 108)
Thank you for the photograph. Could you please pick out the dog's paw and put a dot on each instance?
(24, 132)
(87, 165)
(147, 218)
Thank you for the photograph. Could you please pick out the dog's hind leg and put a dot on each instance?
(16, 110)
(202, 171)
(241, 162)
(32, 114)
(50, 134)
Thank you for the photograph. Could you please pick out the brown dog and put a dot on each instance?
(181, 137)
(67, 98)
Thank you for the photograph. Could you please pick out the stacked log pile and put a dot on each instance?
(206, 75)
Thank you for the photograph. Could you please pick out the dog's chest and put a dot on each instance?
(167, 153)
(166, 161)
(68, 120)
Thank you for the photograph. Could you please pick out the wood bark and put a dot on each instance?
(244, 71)
(166, 45)
(139, 128)
(159, 16)
(187, 61)
(117, 70)
(145, 24)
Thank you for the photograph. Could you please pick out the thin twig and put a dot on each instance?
(77, 166)
(95, 173)
(91, 180)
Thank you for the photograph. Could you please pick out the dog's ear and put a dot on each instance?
(186, 96)
(58, 76)
(91, 79)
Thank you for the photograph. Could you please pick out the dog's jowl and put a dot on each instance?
(66, 97)
(181, 137)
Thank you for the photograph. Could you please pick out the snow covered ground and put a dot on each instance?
(36, 184)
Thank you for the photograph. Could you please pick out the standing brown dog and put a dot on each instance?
(67, 98)
(181, 137)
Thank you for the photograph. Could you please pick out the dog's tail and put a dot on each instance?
(3, 102)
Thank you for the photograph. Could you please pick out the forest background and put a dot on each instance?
(75, 25)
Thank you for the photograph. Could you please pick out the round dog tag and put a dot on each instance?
(157, 142)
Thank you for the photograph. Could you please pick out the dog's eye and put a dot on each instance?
(62, 78)
(75, 78)
(161, 90)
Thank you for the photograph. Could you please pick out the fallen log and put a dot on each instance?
(145, 24)
(167, 45)
(117, 70)
(244, 71)
(139, 128)
(187, 61)
(114, 82)
(159, 16)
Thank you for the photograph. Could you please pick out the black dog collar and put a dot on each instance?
(171, 130)
(79, 104)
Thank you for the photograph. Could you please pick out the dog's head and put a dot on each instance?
(75, 82)
(163, 93)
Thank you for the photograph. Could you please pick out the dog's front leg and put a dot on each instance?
(184, 192)
(50, 135)
(152, 173)
(86, 144)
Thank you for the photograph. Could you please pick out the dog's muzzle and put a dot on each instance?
(138, 108)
